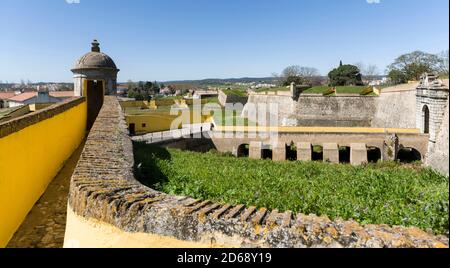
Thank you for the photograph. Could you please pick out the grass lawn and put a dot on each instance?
(236, 92)
(382, 193)
(234, 119)
(340, 90)
(274, 89)
(219, 115)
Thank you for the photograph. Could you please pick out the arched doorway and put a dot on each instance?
(408, 155)
(344, 154)
(291, 152)
(426, 119)
(267, 154)
(95, 92)
(243, 150)
(132, 129)
(373, 154)
(317, 153)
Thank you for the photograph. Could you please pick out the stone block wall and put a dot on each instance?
(438, 155)
(396, 108)
(341, 111)
(107, 203)
(314, 110)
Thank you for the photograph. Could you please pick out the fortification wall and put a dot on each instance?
(438, 156)
(109, 208)
(33, 148)
(232, 99)
(315, 110)
(266, 106)
(396, 107)
(163, 121)
(341, 111)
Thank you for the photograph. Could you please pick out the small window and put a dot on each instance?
(144, 125)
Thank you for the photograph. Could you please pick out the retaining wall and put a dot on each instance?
(396, 107)
(341, 111)
(109, 208)
(438, 156)
(33, 149)
(315, 110)
(231, 99)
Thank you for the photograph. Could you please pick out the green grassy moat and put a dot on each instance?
(384, 193)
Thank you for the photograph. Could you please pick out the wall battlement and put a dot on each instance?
(107, 204)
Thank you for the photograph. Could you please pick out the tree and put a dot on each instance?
(443, 63)
(298, 75)
(309, 72)
(397, 77)
(148, 86)
(345, 75)
(414, 64)
(156, 88)
(369, 72)
(131, 85)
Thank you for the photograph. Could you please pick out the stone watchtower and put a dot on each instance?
(95, 75)
(432, 101)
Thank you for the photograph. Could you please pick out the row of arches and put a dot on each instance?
(374, 154)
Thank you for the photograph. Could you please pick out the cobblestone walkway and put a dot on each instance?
(45, 225)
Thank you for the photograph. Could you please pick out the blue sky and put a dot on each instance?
(194, 39)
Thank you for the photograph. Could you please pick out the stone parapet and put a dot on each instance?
(103, 189)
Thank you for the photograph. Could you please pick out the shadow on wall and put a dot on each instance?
(408, 155)
(317, 153)
(373, 154)
(344, 154)
(291, 152)
(243, 150)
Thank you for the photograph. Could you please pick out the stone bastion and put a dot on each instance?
(108, 207)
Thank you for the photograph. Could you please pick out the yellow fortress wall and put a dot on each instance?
(33, 149)
(157, 122)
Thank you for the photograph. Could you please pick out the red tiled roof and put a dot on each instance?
(62, 94)
(6, 95)
(23, 97)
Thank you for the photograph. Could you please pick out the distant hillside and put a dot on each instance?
(212, 81)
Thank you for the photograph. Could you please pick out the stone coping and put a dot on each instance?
(319, 130)
(9, 127)
(103, 188)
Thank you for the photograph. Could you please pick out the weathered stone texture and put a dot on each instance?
(103, 188)
(279, 152)
(255, 150)
(304, 151)
(438, 157)
(396, 107)
(331, 152)
(342, 111)
(358, 154)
